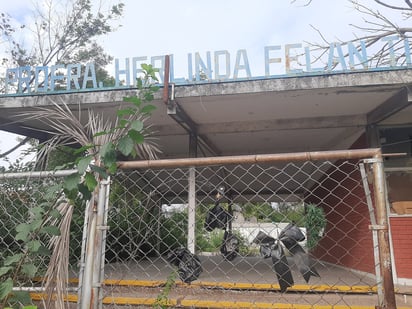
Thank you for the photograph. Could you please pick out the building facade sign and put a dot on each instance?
(216, 66)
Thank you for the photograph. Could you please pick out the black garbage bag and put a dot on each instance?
(263, 238)
(265, 250)
(217, 218)
(266, 243)
(188, 264)
(230, 246)
(292, 231)
(301, 259)
(281, 267)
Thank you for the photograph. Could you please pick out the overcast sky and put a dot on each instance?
(151, 28)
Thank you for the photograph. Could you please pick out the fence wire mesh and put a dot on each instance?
(22, 198)
(234, 236)
(331, 263)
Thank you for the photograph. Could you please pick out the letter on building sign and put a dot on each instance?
(73, 75)
(12, 76)
(390, 40)
(89, 75)
(55, 76)
(137, 69)
(201, 67)
(41, 71)
(309, 62)
(174, 79)
(24, 78)
(333, 61)
(153, 61)
(407, 51)
(269, 60)
(353, 51)
(241, 53)
(118, 72)
(290, 58)
(226, 55)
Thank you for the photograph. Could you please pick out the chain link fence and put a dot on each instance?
(233, 234)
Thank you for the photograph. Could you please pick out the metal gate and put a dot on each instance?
(294, 230)
(158, 208)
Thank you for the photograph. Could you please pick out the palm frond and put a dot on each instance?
(56, 277)
(67, 128)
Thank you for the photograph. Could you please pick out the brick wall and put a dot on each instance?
(348, 240)
(401, 232)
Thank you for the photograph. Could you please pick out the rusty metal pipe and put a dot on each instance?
(251, 159)
(166, 80)
(383, 233)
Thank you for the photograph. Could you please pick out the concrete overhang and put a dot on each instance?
(293, 114)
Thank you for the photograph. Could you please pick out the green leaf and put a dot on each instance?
(72, 194)
(137, 137)
(146, 67)
(83, 164)
(23, 230)
(29, 270)
(84, 190)
(139, 83)
(136, 125)
(37, 211)
(90, 181)
(23, 236)
(100, 134)
(5, 288)
(125, 112)
(10, 260)
(54, 213)
(35, 224)
(52, 191)
(123, 123)
(99, 170)
(147, 109)
(133, 99)
(125, 145)
(22, 297)
(148, 96)
(33, 245)
(108, 154)
(44, 251)
(113, 168)
(4, 270)
(51, 230)
(71, 181)
(84, 148)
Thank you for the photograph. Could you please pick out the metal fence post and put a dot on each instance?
(102, 209)
(191, 237)
(91, 296)
(383, 233)
(374, 231)
(86, 301)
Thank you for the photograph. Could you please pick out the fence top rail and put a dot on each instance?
(252, 159)
(193, 162)
(36, 174)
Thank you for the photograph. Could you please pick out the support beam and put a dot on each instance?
(308, 123)
(388, 108)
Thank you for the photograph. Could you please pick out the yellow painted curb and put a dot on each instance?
(357, 289)
(208, 304)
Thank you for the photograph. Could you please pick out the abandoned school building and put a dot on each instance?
(287, 114)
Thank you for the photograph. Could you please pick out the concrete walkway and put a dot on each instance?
(244, 282)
